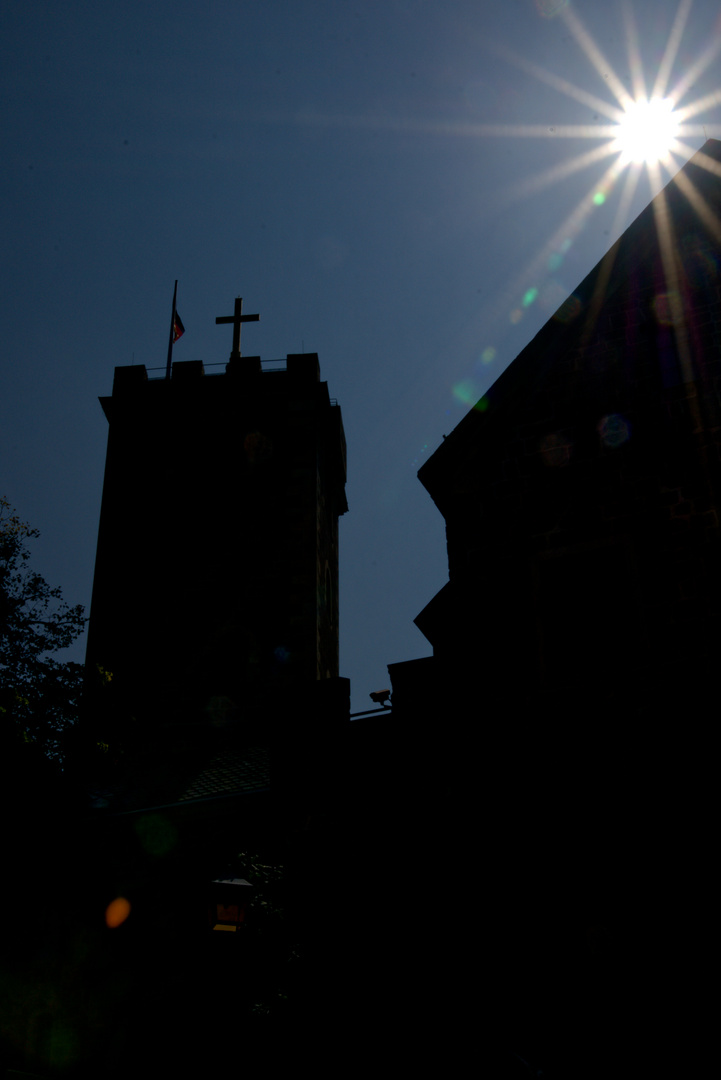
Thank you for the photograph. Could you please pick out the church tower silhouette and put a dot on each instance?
(216, 576)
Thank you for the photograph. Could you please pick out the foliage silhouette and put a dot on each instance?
(39, 695)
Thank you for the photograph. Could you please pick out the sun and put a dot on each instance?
(641, 127)
(647, 132)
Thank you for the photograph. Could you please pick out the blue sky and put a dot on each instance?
(363, 175)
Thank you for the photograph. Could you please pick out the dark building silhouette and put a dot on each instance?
(575, 651)
(212, 744)
(216, 578)
(582, 494)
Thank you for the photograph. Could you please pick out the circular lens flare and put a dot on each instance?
(647, 131)
(117, 912)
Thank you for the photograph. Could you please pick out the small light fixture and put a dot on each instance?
(381, 697)
(229, 899)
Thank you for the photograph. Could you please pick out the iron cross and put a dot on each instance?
(236, 319)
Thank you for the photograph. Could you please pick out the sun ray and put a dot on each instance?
(542, 131)
(678, 154)
(669, 260)
(708, 163)
(457, 128)
(560, 241)
(706, 58)
(700, 105)
(572, 224)
(596, 57)
(631, 182)
(682, 150)
(599, 291)
(703, 131)
(710, 219)
(583, 97)
(635, 64)
(558, 172)
(672, 46)
(460, 129)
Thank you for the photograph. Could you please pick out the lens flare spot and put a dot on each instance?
(550, 8)
(699, 261)
(529, 296)
(488, 355)
(569, 310)
(556, 449)
(516, 316)
(281, 654)
(466, 391)
(156, 834)
(482, 405)
(614, 430)
(552, 295)
(117, 912)
(599, 198)
(555, 261)
(667, 308)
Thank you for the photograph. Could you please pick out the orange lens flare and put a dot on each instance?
(117, 912)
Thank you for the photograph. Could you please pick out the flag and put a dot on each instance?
(176, 330)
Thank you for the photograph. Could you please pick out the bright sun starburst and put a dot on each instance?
(647, 132)
(642, 124)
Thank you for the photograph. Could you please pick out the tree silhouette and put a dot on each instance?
(39, 695)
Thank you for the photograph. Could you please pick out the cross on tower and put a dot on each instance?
(236, 319)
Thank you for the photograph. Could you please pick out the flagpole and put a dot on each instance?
(172, 331)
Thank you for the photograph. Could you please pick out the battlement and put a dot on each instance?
(299, 367)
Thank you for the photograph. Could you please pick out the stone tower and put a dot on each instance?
(216, 576)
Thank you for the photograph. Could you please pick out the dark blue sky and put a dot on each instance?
(384, 182)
